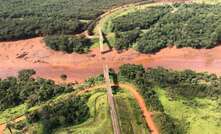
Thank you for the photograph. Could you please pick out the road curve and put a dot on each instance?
(146, 114)
(140, 101)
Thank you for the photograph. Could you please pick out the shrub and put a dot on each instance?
(68, 43)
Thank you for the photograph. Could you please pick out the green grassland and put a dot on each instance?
(99, 121)
(198, 116)
(129, 114)
(12, 113)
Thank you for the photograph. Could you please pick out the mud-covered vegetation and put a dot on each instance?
(24, 88)
(21, 19)
(186, 84)
(68, 43)
(189, 25)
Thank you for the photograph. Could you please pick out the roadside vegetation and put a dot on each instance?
(189, 25)
(129, 114)
(179, 86)
(99, 121)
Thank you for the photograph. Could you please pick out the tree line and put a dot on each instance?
(25, 89)
(191, 25)
(187, 84)
(23, 19)
(68, 43)
(71, 111)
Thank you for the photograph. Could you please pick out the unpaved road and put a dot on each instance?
(140, 101)
(2, 126)
(146, 114)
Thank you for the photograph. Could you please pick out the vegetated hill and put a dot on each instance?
(44, 107)
(21, 19)
(184, 101)
(186, 25)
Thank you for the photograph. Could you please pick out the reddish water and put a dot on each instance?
(32, 53)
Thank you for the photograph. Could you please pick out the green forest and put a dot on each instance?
(25, 89)
(21, 19)
(189, 25)
(68, 43)
(72, 111)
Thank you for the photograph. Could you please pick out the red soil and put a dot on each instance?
(147, 114)
(2, 126)
(139, 99)
(33, 53)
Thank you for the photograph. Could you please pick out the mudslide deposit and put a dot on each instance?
(33, 53)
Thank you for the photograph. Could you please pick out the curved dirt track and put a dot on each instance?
(2, 126)
(147, 114)
(140, 101)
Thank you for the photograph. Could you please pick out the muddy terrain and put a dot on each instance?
(33, 53)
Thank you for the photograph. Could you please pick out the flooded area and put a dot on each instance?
(32, 53)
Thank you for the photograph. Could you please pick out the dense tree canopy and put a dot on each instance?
(15, 91)
(21, 19)
(185, 83)
(125, 40)
(191, 25)
(68, 43)
(72, 111)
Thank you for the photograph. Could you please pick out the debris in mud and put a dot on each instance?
(22, 55)
(39, 61)
(92, 55)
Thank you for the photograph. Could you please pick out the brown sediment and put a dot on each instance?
(51, 64)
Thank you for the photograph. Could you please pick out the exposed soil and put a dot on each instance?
(146, 114)
(33, 53)
(2, 126)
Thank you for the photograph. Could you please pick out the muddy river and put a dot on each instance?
(33, 53)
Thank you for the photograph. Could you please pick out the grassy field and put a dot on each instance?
(99, 122)
(12, 113)
(200, 115)
(131, 121)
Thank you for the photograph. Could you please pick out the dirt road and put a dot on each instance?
(147, 114)
(2, 126)
(140, 101)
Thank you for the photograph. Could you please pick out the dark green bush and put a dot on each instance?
(165, 124)
(68, 43)
(73, 110)
(125, 40)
